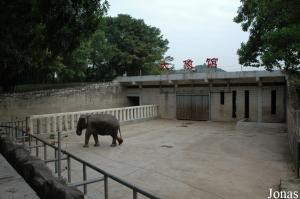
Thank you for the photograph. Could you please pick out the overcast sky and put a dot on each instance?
(196, 29)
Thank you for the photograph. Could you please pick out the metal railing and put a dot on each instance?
(294, 137)
(17, 131)
(66, 122)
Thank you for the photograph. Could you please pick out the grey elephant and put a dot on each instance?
(101, 124)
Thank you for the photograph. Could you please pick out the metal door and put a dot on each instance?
(183, 107)
(192, 107)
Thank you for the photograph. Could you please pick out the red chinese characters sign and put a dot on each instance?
(164, 65)
(212, 62)
(188, 64)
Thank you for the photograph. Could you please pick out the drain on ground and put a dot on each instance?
(166, 146)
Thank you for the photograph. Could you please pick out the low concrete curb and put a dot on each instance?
(244, 124)
(36, 173)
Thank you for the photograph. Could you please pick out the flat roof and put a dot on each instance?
(205, 77)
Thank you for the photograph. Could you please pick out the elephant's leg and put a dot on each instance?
(87, 139)
(95, 135)
(114, 143)
(120, 140)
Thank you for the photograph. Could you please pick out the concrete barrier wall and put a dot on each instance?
(36, 173)
(16, 106)
(165, 98)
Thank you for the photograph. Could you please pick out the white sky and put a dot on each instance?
(196, 29)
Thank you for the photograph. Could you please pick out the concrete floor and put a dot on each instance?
(172, 159)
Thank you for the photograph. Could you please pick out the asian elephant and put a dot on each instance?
(101, 124)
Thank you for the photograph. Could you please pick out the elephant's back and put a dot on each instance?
(104, 120)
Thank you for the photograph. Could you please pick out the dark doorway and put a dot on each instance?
(134, 100)
(273, 102)
(234, 104)
(246, 104)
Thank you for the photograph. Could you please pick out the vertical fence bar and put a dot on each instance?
(69, 168)
(31, 126)
(55, 162)
(29, 142)
(45, 151)
(134, 194)
(297, 123)
(60, 123)
(105, 187)
(297, 158)
(36, 148)
(38, 126)
(16, 130)
(59, 153)
(84, 178)
(23, 134)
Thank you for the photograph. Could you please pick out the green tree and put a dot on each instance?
(36, 35)
(100, 54)
(274, 28)
(135, 47)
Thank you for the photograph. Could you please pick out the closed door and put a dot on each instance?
(192, 107)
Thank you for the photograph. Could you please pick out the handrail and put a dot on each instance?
(86, 112)
(66, 122)
(69, 155)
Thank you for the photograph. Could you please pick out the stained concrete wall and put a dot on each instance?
(36, 173)
(165, 98)
(87, 97)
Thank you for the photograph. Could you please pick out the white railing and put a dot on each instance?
(66, 122)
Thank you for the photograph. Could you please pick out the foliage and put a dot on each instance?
(135, 46)
(36, 35)
(274, 40)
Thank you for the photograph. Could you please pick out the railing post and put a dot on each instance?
(121, 115)
(297, 158)
(65, 122)
(59, 153)
(29, 142)
(55, 162)
(16, 130)
(69, 168)
(84, 178)
(130, 113)
(72, 122)
(134, 194)
(45, 151)
(105, 186)
(36, 148)
(47, 120)
(23, 134)
(54, 124)
(60, 123)
(297, 123)
(38, 126)
(31, 126)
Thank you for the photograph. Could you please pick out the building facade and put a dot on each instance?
(257, 96)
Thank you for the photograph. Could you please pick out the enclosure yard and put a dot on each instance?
(172, 159)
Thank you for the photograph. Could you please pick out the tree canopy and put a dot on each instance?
(35, 35)
(122, 45)
(136, 47)
(274, 40)
(72, 41)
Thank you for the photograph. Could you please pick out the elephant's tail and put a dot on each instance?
(120, 132)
